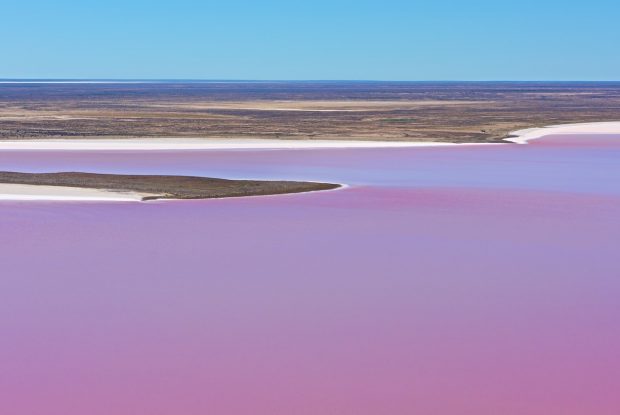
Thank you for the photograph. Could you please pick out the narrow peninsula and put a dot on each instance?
(152, 187)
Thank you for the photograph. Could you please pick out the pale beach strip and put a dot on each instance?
(171, 144)
(523, 136)
(26, 192)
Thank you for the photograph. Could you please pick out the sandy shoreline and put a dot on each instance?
(26, 192)
(523, 136)
(171, 144)
(32, 193)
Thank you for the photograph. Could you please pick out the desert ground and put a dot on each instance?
(475, 112)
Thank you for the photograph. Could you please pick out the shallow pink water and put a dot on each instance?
(473, 280)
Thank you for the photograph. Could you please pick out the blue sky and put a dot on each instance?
(320, 39)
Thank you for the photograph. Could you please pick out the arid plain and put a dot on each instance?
(394, 111)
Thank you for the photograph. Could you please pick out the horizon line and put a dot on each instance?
(223, 80)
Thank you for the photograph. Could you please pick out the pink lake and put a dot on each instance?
(462, 280)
